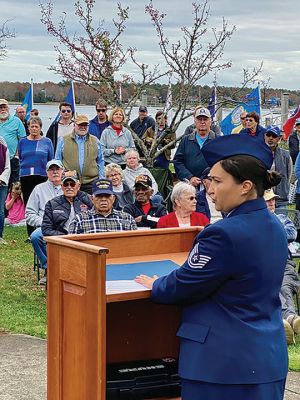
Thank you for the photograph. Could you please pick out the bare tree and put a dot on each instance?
(97, 56)
(5, 33)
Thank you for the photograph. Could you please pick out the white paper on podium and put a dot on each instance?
(123, 286)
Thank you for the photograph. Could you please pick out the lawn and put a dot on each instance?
(23, 302)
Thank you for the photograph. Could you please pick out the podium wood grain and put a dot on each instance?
(87, 327)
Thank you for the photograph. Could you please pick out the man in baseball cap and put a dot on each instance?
(189, 162)
(142, 123)
(82, 152)
(144, 211)
(50, 163)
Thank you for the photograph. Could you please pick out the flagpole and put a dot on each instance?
(74, 105)
(31, 84)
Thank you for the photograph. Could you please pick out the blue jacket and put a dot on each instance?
(231, 330)
(57, 212)
(260, 132)
(188, 159)
(96, 129)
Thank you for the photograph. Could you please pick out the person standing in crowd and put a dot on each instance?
(34, 152)
(34, 112)
(243, 124)
(116, 139)
(121, 190)
(290, 284)
(4, 179)
(11, 130)
(294, 141)
(100, 122)
(205, 204)
(142, 122)
(214, 126)
(160, 130)
(81, 152)
(188, 161)
(21, 113)
(183, 198)
(62, 126)
(232, 341)
(102, 217)
(145, 212)
(252, 126)
(282, 163)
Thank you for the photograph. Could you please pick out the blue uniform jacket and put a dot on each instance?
(231, 330)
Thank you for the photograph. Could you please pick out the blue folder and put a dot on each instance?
(115, 272)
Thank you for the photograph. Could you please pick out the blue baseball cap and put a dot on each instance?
(232, 145)
(273, 129)
(102, 186)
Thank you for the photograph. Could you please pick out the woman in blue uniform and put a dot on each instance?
(232, 341)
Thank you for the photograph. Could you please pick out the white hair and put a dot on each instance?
(112, 167)
(132, 151)
(179, 189)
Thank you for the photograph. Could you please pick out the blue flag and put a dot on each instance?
(70, 98)
(28, 102)
(212, 103)
(249, 104)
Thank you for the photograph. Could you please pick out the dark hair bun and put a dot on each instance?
(273, 178)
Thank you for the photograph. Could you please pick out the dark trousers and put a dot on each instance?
(86, 187)
(14, 171)
(28, 183)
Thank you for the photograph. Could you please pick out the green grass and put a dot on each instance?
(23, 302)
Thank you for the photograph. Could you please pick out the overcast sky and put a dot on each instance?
(267, 30)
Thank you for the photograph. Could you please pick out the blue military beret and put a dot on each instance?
(232, 145)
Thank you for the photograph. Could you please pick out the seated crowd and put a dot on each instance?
(88, 177)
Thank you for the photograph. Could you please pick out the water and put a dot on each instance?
(48, 113)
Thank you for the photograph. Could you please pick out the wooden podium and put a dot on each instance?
(87, 327)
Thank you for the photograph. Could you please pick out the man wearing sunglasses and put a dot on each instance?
(100, 122)
(63, 126)
(252, 126)
(61, 210)
(282, 163)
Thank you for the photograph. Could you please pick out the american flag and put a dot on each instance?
(290, 122)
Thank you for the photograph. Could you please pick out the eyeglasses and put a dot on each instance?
(114, 175)
(84, 125)
(249, 120)
(272, 135)
(191, 198)
(69, 183)
(242, 118)
(101, 109)
(66, 111)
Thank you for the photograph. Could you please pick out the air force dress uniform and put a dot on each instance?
(232, 341)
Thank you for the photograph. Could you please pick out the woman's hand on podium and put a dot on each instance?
(146, 281)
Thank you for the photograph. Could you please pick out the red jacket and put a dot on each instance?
(170, 220)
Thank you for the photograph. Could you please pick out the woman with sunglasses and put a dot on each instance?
(63, 126)
(253, 128)
(184, 202)
(232, 340)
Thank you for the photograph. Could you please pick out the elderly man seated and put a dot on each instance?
(60, 211)
(290, 283)
(102, 217)
(144, 211)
